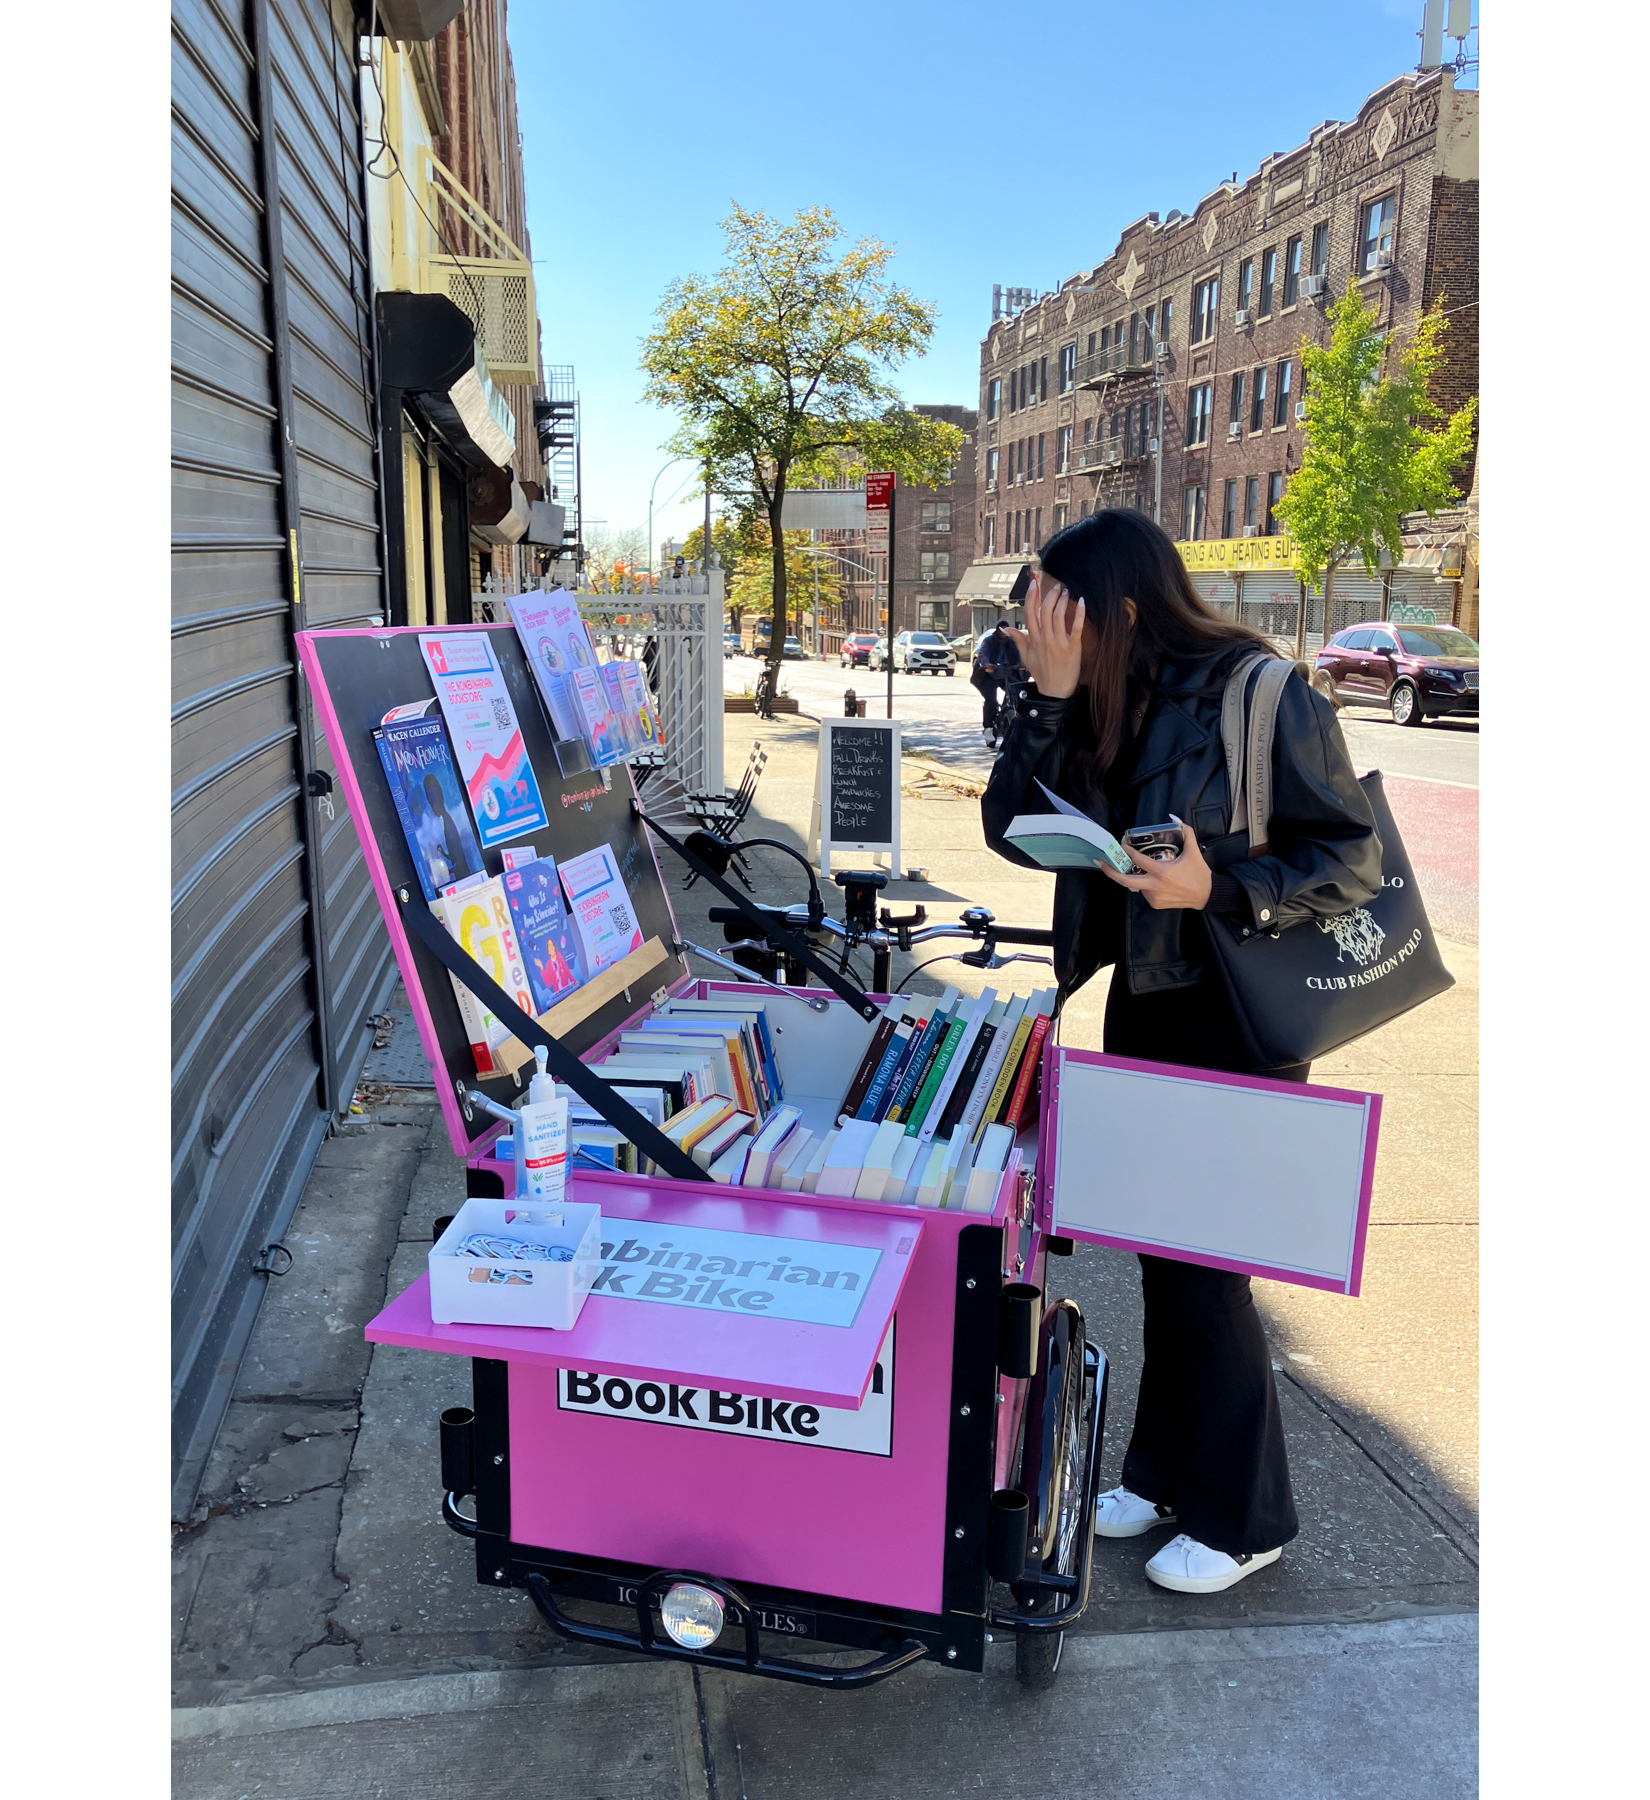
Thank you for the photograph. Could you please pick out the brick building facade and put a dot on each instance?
(1168, 377)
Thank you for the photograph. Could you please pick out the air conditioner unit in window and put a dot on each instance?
(1241, 317)
(1300, 410)
(1248, 531)
(1313, 285)
(1384, 260)
(1234, 431)
(1151, 446)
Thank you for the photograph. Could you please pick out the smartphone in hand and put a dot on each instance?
(1162, 843)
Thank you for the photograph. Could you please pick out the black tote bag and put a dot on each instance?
(1302, 990)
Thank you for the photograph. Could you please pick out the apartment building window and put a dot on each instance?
(935, 565)
(1228, 511)
(1257, 400)
(1320, 249)
(1042, 438)
(1251, 501)
(1292, 271)
(1274, 493)
(1062, 517)
(1083, 510)
(1268, 277)
(1280, 405)
(1031, 385)
(1092, 343)
(1151, 327)
(1013, 390)
(934, 615)
(994, 398)
(1144, 415)
(1062, 451)
(1375, 233)
(1191, 514)
(1134, 337)
(990, 470)
(1037, 531)
(1246, 283)
(1068, 367)
(990, 535)
(1197, 414)
(1205, 304)
(1165, 323)
(1237, 402)
(1042, 378)
(936, 515)
(1088, 431)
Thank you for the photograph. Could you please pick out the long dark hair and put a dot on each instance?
(1117, 554)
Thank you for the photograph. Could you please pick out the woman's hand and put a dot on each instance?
(1184, 883)
(1051, 646)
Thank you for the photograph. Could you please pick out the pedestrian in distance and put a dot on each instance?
(1122, 717)
(996, 658)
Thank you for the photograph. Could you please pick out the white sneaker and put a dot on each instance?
(1193, 1568)
(1121, 1514)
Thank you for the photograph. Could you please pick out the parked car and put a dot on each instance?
(858, 649)
(963, 648)
(793, 651)
(924, 653)
(1420, 672)
(732, 644)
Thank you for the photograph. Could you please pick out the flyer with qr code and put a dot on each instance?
(600, 906)
(486, 735)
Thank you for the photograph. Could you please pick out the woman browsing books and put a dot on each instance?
(1122, 721)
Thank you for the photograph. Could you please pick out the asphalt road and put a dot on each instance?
(1431, 771)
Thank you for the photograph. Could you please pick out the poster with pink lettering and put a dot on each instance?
(486, 735)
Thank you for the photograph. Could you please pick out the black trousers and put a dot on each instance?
(1208, 1437)
(987, 682)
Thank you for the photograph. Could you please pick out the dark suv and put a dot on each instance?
(1419, 671)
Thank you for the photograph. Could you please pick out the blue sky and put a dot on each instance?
(986, 143)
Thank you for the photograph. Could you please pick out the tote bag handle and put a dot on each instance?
(1249, 752)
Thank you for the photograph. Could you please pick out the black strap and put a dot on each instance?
(564, 1065)
(775, 934)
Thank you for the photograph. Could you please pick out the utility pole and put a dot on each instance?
(1160, 348)
(889, 585)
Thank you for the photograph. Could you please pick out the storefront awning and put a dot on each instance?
(427, 348)
(992, 580)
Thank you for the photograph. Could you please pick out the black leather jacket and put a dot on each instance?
(1323, 858)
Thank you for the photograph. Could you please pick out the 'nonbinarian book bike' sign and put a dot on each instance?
(740, 1272)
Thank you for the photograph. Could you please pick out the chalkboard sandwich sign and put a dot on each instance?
(856, 799)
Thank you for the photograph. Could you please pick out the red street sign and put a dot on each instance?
(878, 489)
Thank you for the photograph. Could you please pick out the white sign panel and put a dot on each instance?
(735, 1271)
(869, 1431)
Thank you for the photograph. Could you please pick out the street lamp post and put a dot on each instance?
(650, 493)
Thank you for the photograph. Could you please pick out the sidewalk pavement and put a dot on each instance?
(330, 1638)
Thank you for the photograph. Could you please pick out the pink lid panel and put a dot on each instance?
(770, 1298)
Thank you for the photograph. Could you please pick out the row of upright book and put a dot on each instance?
(928, 1119)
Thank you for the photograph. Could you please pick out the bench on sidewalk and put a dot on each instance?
(725, 812)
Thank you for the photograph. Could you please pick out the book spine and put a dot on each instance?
(884, 1072)
(957, 1105)
(911, 1080)
(924, 1101)
(913, 1048)
(965, 1045)
(1005, 1075)
(1028, 1068)
(868, 1065)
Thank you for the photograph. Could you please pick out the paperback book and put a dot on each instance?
(544, 932)
(423, 781)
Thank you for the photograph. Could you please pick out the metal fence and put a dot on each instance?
(683, 620)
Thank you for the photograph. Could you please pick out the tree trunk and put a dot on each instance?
(776, 642)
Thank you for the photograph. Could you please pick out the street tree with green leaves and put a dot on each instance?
(779, 365)
(1374, 451)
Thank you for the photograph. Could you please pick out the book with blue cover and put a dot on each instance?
(917, 1068)
(892, 1056)
(423, 780)
(544, 932)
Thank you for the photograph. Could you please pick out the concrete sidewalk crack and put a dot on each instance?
(1459, 1538)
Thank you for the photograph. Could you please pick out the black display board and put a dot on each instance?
(365, 675)
(862, 772)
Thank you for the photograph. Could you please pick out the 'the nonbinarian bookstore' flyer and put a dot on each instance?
(486, 735)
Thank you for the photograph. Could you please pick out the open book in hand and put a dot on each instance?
(1067, 839)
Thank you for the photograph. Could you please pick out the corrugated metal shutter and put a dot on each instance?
(1221, 592)
(1423, 592)
(1268, 601)
(1353, 598)
(264, 1028)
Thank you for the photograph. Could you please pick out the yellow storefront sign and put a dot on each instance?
(1235, 554)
